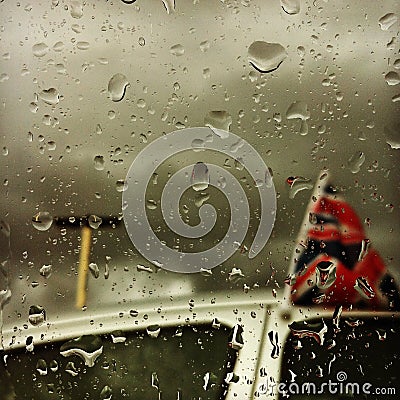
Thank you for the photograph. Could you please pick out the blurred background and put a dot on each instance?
(67, 145)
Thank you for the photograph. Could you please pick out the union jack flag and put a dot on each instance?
(334, 263)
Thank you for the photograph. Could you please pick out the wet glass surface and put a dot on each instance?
(180, 363)
(355, 350)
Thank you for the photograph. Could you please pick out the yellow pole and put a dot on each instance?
(83, 269)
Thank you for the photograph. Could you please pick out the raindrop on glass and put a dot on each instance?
(50, 96)
(291, 7)
(76, 9)
(41, 367)
(177, 50)
(218, 119)
(356, 161)
(387, 21)
(42, 221)
(117, 87)
(94, 221)
(88, 348)
(37, 315)
(266, 57)
(200, 178)
(40, 49)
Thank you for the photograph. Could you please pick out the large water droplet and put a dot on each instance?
(218, 119)
(392, 134)
(298, 110)
(50, 96)
(177, 50)
(121, 185)
(117, 87)
(40, 49)
(94, 221)
(83, 45)
(53, 365)
(76, 9)
(169, 5)
(106, 393)
(387, 21)
(297, 184)
(41, 367)
(58, 46)
(200, 178)
(37, 315)
(99, 163)
(356, 161)
(71, 369)
(94, 270)
(291, 7)
(45, 270)
(87, 347)
(304, 329)
(153, 331)
(326, 274)
(392, 78)
(42, 221)
(362, 286)
(266, 57)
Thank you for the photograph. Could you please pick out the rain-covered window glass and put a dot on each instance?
(215, 180)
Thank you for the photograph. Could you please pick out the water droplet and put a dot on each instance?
(315, 330)
(210, 380)
(40, 49)
(236, 341)
(42, 221)
(58, 46)
(303, 128)
(94, 270)
(169, 6)
(298, 110)
(266, 57)
(218, 119)
(336, 317)
(121, 185)
(297, 184)
(118, 337)
(99, 162)
(106, 393)
(200, 178)
(41, 367)
(236, 273)
(291, 7)
(364, 249)
(151, 204)
(76, 9)
(83, 45)
(356, 161)
(87, 347)
(37, 315)
(141, 41)
(392, 134)
(29, 344)
(143, 268)
(362, 286)
(153, 331)
(381, 334)
(273, 338)
(204, 46)
(71, 369)
(94, 221)
(326, 274)
(177, 50)
(4, 77)
(117, 87)
(50, 96)
(387, 21)
(392, 78)
(53, 365)
(46, 270)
